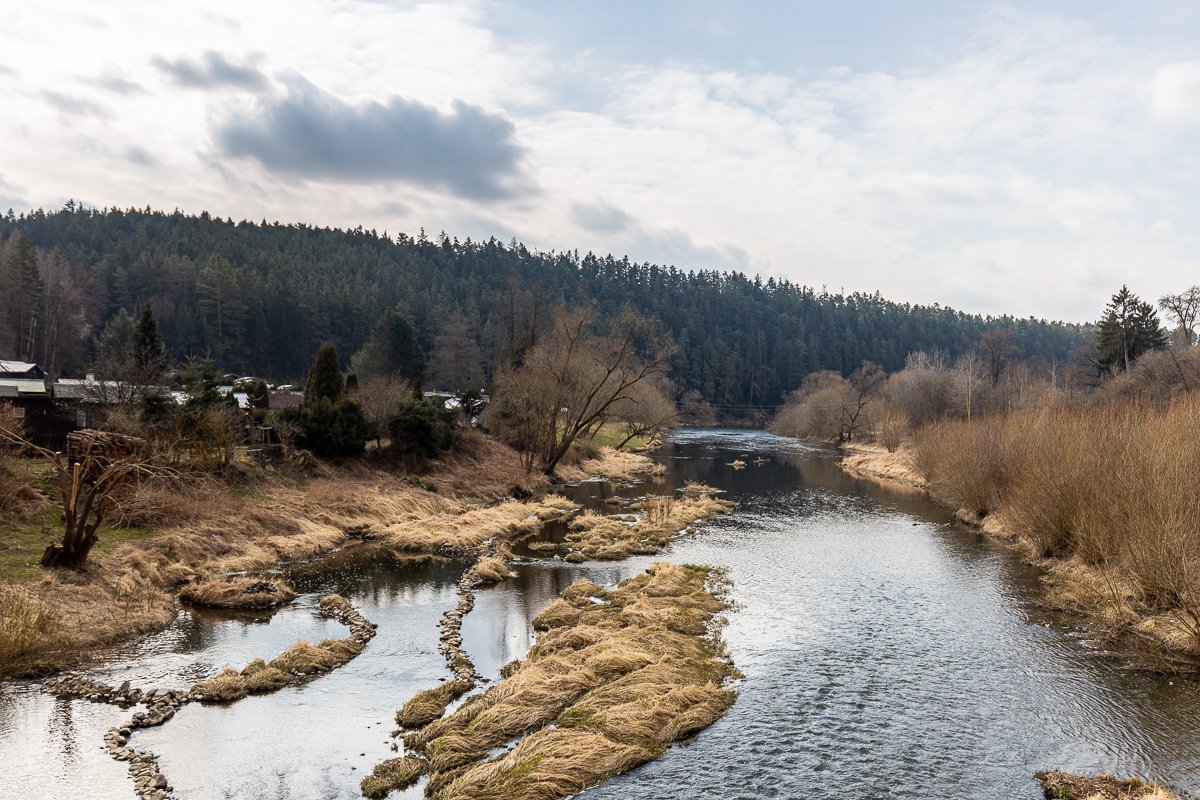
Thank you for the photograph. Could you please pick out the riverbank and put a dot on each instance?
(177, 537)
(1105, 596)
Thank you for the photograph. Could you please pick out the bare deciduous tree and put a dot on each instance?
(95, 465)
(572, 378)
(1183, 308)
(647, 412)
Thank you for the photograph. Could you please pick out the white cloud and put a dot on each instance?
(1175, 93)
(1029, 168)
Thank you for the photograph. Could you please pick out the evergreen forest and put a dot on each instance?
(259, 298)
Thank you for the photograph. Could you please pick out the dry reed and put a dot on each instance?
(1113, 488)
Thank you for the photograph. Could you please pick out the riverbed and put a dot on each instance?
(887, 652)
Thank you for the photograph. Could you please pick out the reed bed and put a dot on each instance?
(1111, 490)
(472, 527)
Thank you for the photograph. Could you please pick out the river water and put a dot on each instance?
(888, 654)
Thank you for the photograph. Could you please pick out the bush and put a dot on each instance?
(418, 427)
(330, 427)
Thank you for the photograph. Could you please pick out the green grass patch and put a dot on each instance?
(611, 435)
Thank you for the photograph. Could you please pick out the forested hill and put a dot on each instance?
(261, 297)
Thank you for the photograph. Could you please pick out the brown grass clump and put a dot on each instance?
(615, 465)
(546, 765)
(490, 570)
(299, 663)
(883, 464)
(25, 622)
(430, 704)
(238, 593)
(1065, 786)
(609, 686)
(397, 773)
(604, 537)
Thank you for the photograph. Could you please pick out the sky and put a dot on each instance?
(1001, 158)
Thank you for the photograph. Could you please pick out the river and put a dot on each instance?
(888, 653)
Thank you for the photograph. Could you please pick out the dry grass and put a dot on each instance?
(605, 537)
(608, 686)
(397, 773)
(878, 462)
(615, 465)
(25, 623)
(210, 527)
(299, 663)
(469, 528)
(238, 593)
(1112, 488)
(430, 704)
(1064, 786)
(490, 570)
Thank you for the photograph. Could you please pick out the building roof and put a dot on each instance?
(26, 387)
(20, 369)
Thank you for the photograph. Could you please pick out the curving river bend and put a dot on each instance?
(887, 653)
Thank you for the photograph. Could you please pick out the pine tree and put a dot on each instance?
(1129, 328)
(325, 380)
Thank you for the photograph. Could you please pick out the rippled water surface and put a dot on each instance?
(887, 653)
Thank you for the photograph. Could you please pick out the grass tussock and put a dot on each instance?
(430, 704)
(298, 664)
(490, 570)
(238, 593)
(609, 685)
(396, 773)
(614, 465)
(1111, 489)
(1065, 786)
(608, 537)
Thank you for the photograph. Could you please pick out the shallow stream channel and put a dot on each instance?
(887, 652)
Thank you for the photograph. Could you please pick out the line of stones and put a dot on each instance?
(451, 638)
(149, 782)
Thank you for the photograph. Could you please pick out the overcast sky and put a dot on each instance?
(997, 158)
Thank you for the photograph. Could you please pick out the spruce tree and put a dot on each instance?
(149, 354)
(391, 350)
(1130, 327)
(325, 378)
